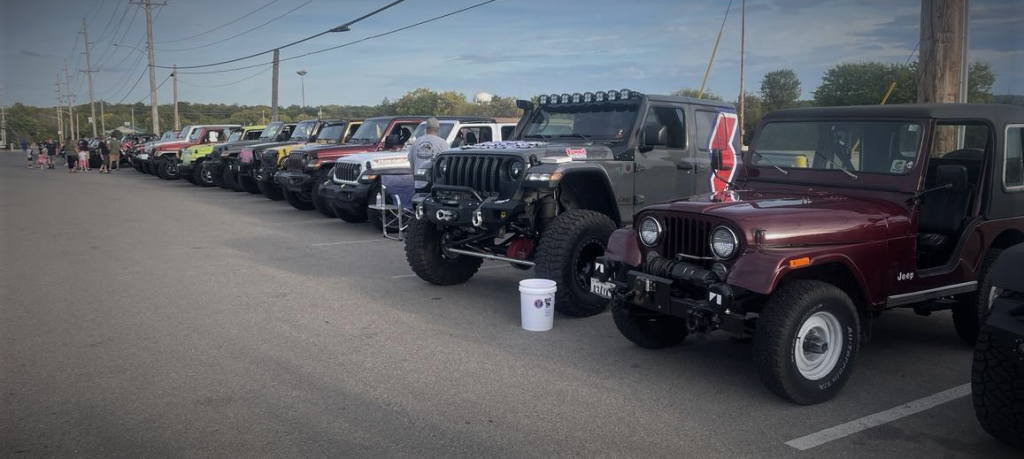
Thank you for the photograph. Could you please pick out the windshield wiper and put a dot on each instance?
(760, 157)
(836, 166)
(582, 136)
(536, 136)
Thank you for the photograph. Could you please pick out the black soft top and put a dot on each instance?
(999, 114)
(689, 100)
(463, 119)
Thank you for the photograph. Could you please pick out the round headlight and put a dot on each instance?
(650, 231)
(515, 169)
(442, 166)
(723, 242)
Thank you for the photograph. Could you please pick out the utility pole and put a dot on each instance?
(942, 31)
(273, 90)
(177, 122)
(71, 111)
(942, 59)
(743, 43)
(148, 4)
(88, 72)
(60, 111)
(133, 119)
(103, 122)
(3, 121)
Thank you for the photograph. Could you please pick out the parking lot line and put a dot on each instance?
(367, 241)
(877, 419)
(403, 276)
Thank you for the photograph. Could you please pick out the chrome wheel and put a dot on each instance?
(818, 345)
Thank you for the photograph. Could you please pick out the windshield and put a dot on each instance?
(874, 147)
(588, 121)
(370, 132)
(235, 136)
(303, 130)
(271, 131)
(331, 134)
(194, 137)
(169, 135)
(444, 132)
(183, 132)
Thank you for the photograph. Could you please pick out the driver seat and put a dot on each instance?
(942, 212)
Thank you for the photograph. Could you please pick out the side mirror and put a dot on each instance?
(716, 161)
(524, 104)
(392, 141)
(643, 146)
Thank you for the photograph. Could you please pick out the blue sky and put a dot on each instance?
(509, 47)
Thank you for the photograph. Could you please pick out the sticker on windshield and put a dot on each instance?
(576, 153)
(898, 166)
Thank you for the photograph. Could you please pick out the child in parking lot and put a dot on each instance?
(83, 160)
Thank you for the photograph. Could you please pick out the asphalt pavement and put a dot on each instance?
(143, 318)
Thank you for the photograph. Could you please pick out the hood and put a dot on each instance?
(166, 144)
(336, 150)
(544, 151)
(787, 219)
(383, 160)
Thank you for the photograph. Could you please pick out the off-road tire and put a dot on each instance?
(190, 178)
(425, 256)
(163, 170)
(319, 202)
(230, 179)
(971, 309)
(296, 201)
(777, 333)
(144, 167)
(997, 390)
(198, 176)
(272, 191)
(218, 180)
(647, 328)
(248, 183)
(572, 235)
(137, 165)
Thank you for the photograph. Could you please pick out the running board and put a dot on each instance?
(930, 294)
(488, 256)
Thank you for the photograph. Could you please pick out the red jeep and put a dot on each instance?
(309, 167)
(836, 215)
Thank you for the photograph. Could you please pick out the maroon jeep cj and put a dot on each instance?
(836, 215)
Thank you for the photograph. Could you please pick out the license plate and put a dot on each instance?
(144, 156)
(601, 289)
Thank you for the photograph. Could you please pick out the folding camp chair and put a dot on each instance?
(395, 205)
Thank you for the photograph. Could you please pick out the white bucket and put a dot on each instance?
(537, 304)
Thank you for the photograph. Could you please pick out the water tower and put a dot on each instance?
(482, 98)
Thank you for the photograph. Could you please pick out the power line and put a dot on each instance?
(133, 86)
(126, 30)
(157, 88)
(97, 11)
(240, 34)
(435, 18)
(226, 84)
(110, 21)
(341, 28)
(120, 23)
(218, 27)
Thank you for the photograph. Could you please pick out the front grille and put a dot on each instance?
(346, 172)
(486, 174)
(269, 159)
(295, 162)
(686, 235)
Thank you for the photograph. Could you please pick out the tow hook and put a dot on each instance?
(701, 322)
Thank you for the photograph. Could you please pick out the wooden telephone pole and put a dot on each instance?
(942, 54)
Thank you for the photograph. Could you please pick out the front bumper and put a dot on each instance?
(294, 181)
(691, 292)
(465, 207)
(215, 166)
(265, 175)
(351, 198)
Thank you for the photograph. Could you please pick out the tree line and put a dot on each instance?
(852, 83)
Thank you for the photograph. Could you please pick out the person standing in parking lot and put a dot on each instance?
(104, 154)
(28, 152)
(115, 154)
(51, 153)
(83, 153)
(428, 146)
(72, 155)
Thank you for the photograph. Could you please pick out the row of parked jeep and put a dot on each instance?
(646, 204)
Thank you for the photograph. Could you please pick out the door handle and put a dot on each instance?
(684, 166)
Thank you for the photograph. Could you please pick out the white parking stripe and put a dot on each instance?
(877, 419)
(349, 242)
(482, 267)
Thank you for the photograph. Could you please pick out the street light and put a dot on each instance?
(302, 73)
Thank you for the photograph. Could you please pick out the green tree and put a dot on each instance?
(980, 80)
(779, 89)
(695, 93)
(753, 110)
(865, 83)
